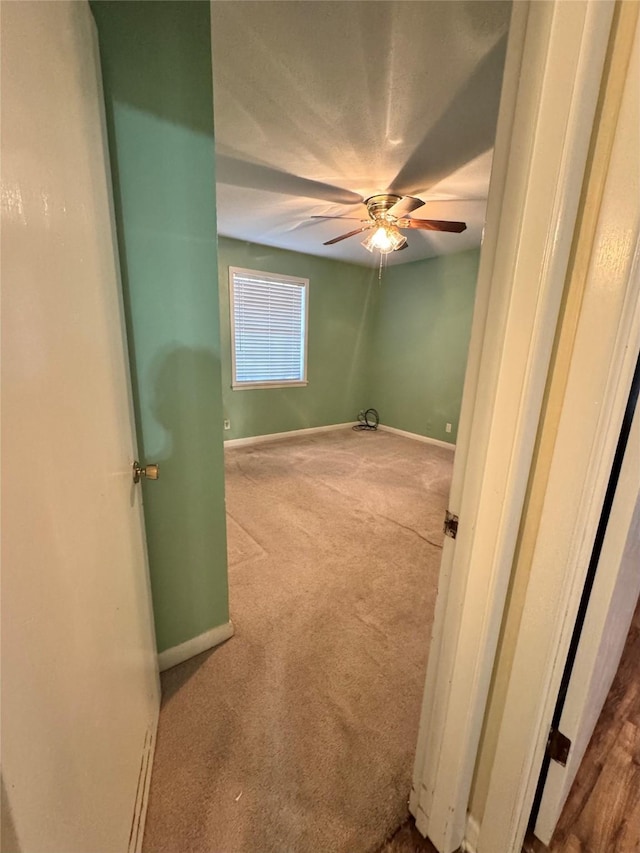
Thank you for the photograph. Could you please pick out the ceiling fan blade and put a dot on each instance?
(433, 225)
(406, 205)
(350, 234)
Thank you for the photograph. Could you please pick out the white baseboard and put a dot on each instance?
(471, 835)
(275, 436)
(178, 654)
(417, 437)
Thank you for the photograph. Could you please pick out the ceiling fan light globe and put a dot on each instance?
(396, 239)
(385, 239)
(371, 247)
(382, 239)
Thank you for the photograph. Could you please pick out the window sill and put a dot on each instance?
(251, 386)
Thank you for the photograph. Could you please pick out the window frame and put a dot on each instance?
(300, 281)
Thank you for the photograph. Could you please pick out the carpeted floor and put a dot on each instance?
(298, 734)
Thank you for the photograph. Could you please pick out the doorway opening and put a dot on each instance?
(335, 535)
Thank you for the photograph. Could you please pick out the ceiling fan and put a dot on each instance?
(388, 214)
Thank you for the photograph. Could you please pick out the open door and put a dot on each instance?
(80, 692)
(553, 70)
(606, 612)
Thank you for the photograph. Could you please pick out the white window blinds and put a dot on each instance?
(268, 321)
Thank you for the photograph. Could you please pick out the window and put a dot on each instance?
(268, 329)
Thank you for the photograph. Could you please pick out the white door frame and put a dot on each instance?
(605, 351)
(553, 73)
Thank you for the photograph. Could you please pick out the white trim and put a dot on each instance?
(194, 646)
(433, 714)
(552, 79)
(276, 277)
(276, 436)
(471, 836)
(139, 820)
(416, 437)
(278, 383)
(606, 347)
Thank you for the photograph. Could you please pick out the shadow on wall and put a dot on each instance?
(156, 66)
(9, 839)
(183, 530)
(156, 34)
(178, 375)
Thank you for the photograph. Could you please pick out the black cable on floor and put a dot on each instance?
(368, 420)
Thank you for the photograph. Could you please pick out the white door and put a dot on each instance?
(79, 674)
(607, 621)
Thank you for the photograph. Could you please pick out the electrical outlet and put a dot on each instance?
(447, 428)
(226, 424)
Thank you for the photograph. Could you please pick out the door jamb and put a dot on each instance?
(554, 67)
(603, 361)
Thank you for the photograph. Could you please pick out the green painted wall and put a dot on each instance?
(399, 345)
(420, 339)
(341, 299)
(156, 64)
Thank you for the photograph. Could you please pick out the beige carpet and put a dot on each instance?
(298, 734)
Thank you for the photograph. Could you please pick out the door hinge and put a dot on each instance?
(558, 746)
(450, 524)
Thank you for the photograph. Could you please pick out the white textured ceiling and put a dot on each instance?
(322, 103)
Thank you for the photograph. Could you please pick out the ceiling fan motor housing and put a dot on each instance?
(378, 205)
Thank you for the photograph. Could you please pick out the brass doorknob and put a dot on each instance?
(151, 471)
